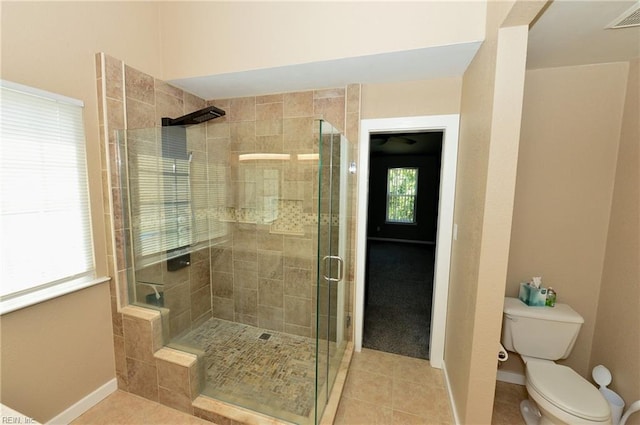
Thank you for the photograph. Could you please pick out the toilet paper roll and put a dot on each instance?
(502, 353)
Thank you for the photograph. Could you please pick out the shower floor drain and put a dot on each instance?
(265, 336)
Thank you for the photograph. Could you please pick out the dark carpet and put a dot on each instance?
(399, 290)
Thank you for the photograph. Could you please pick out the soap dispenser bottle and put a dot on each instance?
(551, 297)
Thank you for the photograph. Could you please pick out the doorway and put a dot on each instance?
(448, 124)
(404, 183)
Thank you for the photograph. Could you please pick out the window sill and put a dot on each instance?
(26, 300)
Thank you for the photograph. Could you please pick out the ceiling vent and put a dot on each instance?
(630, 18)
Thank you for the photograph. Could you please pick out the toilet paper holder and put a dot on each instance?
(502, 353)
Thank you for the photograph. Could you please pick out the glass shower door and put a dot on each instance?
(332, 256)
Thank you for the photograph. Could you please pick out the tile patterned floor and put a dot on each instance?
(274, 375)
(122, 408)
(389, 389)
(506, 407)
(381, 388)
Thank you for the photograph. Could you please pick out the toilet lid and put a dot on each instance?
(564, 388)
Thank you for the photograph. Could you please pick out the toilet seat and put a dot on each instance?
(564, 388)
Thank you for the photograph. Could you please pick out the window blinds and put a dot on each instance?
(160, 188)
(45, 228)
(402, 190)
(170, 192)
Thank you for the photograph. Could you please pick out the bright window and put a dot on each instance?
(402, 190)
(45, 228)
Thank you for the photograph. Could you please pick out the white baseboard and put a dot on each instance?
(456, 420)
(511, 377)
(85, 404)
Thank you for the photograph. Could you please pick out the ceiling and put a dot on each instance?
(422, 143)
(567, 33)
(407, 65)
(574, 33)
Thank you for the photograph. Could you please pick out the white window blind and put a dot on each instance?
(45, 229)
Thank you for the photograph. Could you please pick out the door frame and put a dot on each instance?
(449, 125)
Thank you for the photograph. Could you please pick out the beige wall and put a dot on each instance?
(204, 38)
(57, 352)
(616, 339)
(489, 133)
(566, 170)
(413, 98)
(58, 55)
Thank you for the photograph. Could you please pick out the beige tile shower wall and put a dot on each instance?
(111, 110)
(155, 372)
(263, 264)
(111, 115)
(131, 99)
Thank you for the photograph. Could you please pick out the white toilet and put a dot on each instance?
(542, 335)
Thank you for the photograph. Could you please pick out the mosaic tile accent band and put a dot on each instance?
(285, 216)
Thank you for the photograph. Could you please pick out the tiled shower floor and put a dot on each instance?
(275, 375)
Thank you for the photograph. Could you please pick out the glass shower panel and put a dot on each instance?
(260, 299)
(332, 243)
(143, 188)
(165, 201)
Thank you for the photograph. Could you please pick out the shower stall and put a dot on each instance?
(241, 243)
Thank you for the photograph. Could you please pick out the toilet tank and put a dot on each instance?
(542, 332)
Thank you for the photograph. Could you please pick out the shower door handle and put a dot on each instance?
(340, 268)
